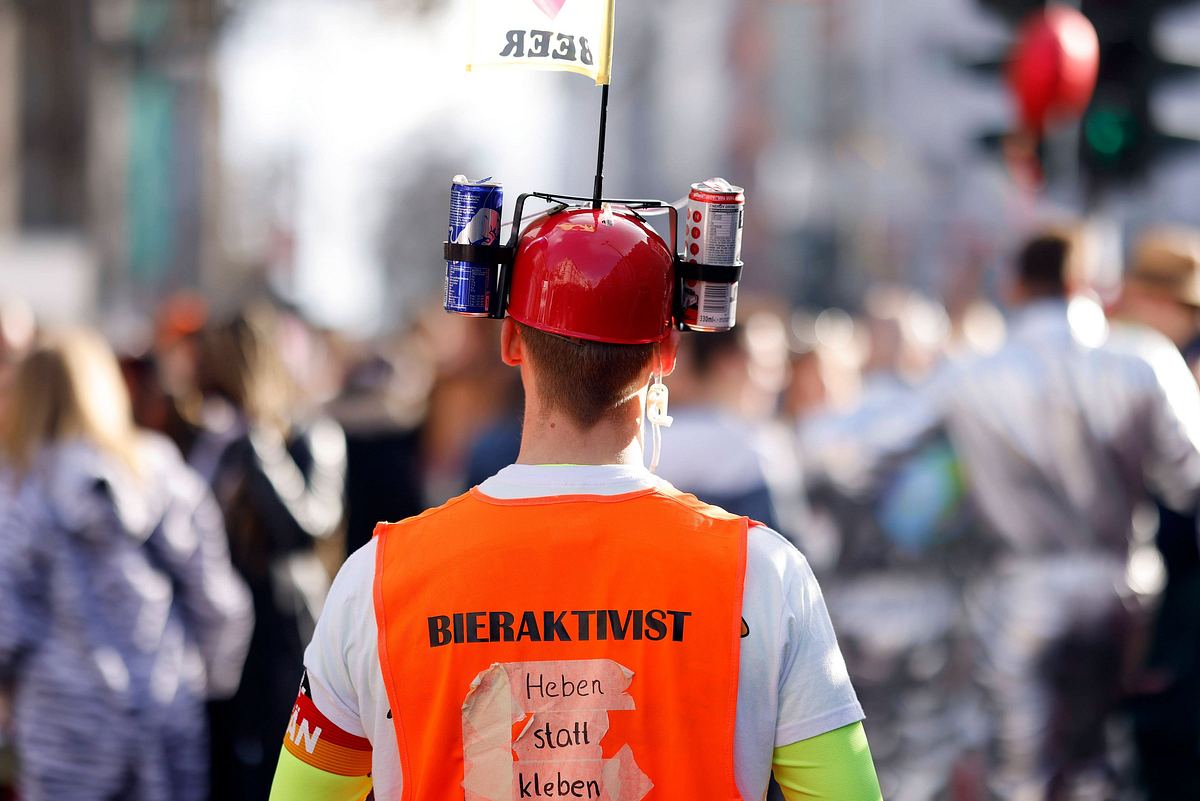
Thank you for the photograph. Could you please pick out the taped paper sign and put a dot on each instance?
(564, 707)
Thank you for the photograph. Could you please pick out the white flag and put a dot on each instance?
(567, 35)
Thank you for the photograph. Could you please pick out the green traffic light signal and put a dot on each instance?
(1110, 133)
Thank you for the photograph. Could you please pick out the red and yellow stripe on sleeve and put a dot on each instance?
(316, 741)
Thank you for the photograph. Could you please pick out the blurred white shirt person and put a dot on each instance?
(1060, 433)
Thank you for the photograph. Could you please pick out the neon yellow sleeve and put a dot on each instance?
(834, 766)
(296, 781)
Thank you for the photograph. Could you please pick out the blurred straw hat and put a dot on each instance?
(1167, 260)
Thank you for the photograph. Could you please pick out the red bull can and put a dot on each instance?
(475, 208)
(715, 215)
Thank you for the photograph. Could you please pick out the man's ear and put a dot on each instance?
(512, 349)
(668, 350)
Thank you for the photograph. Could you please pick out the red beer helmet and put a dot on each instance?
(594, 275)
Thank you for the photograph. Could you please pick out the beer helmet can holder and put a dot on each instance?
(503, 256)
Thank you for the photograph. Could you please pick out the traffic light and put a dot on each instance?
(994, 65)
(1120, 137)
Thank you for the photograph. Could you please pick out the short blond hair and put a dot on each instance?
(69, 386)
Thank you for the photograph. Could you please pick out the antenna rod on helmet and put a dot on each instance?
(598, 187)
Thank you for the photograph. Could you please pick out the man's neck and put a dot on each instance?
(550, 437)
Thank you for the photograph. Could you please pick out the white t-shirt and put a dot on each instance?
(792, 684)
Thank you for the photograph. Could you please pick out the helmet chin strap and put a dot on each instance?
(656, 411)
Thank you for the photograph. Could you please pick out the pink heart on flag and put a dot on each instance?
(550, 7)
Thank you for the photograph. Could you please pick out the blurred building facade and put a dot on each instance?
(308, 144)
(107, 177)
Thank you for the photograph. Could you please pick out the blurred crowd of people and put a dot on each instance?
(1001, 508)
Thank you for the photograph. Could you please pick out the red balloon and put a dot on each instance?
(1054, 66)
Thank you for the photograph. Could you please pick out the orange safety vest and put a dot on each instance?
(579, 647)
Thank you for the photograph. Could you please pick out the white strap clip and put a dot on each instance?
(657, 398)
(656, 412)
